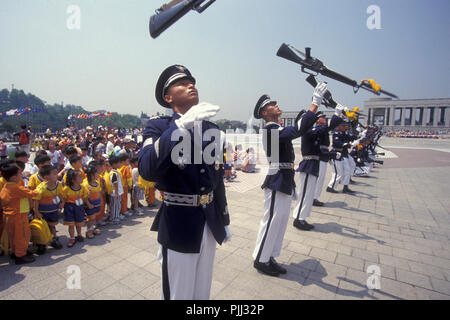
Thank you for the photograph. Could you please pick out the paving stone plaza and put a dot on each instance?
(397, 223)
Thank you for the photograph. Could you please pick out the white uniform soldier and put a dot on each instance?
(279, 185)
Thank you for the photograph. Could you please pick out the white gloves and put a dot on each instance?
(198, 112)
(319, 91)
(338, 155)
(340, 110)
(228, 234)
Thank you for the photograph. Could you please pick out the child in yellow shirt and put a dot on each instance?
(101, 169)
(93, 205)
(76, 163)
(36, 178)
(127, 182)
(49, 200)
(74, 195)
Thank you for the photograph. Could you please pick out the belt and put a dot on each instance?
(339, 149)
(282, 165)
(310, 157)
(189, 200)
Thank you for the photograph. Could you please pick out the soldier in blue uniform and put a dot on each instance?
(279, 185)
(309, 170)
(341, 167)
(193, 216)
(324, 156)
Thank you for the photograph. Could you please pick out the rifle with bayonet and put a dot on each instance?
(172, 11)
(316, 67)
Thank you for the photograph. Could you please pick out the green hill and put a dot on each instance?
(53, 116)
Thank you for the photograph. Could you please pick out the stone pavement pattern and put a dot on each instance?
(399, 220)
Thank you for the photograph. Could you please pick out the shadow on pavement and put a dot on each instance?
(365, 195)
(318, 276)
(333, 227)
(343, 205)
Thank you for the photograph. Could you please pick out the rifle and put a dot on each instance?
(172, 11)
(291, 53)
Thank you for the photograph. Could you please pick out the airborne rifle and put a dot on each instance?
(172, 11)
(316, 66)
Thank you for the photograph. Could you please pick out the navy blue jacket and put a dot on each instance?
(341, 143)
(311, 142)
(283, 179)
(180, 228)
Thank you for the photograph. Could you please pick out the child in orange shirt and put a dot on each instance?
(16, 206)
(127, 183)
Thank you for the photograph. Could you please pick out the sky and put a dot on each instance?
(112, 63)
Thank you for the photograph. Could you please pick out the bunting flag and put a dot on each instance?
(20, 111)
(90, 115)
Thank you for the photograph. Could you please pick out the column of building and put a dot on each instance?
(447, 116)
(424, 116)
(435, 111)
(386, 116)
(402, 117)
(392, 116)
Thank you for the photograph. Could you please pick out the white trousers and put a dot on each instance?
(352, 165)
(320, 179)
(337, 168)
(305, 191)
(188, 276)
(362, 171)
(347, 171)
(272, 227)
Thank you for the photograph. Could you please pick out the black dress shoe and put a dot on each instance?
(266, 268)
(347, 190)
(331, 190)
(303, 225)
(317, 203)
(352, 181)
(275, 265)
